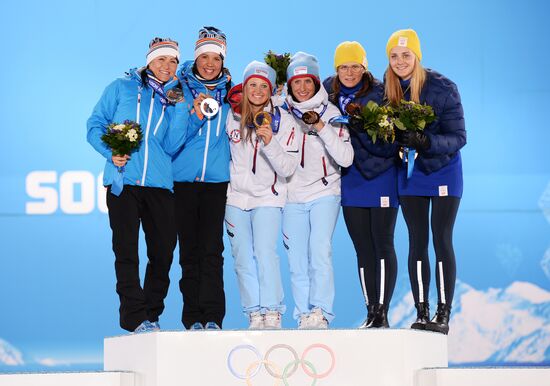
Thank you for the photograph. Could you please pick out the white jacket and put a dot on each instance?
(272, 164)
(321, 153)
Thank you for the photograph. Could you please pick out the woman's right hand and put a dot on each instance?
(120, 160)
(197, 104)
(265, 133)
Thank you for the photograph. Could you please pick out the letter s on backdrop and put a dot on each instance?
(48, 194)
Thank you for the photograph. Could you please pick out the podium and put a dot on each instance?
(381, 357)
(93, 378)
(376, 357)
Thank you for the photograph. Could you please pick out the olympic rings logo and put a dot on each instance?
(275, 371)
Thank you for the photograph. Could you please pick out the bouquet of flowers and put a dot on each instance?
(123, 138)
(377, 120)
(279, 63)
(412, 116)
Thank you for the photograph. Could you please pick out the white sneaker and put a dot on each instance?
(317, 320)
(256, 321)
(272, 320)
(303, 322)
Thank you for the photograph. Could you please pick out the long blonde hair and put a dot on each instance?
(247, 116)
(392, 87)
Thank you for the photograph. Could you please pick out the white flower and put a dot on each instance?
(119, 127)
(384, 121)
(132, 135)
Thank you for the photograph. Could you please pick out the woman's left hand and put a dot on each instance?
(265, 133)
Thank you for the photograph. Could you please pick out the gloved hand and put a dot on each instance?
(414, 139)
(356, 123)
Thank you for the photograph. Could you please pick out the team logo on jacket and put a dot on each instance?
(235, 135)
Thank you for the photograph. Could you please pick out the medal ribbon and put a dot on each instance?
(276, 120)
(118, 181)
(217, 97)
(297, 113)
(408, 158)
(344, 101)
(157, 87)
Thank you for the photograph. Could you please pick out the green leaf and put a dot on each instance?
(421, 124)
(399, 124)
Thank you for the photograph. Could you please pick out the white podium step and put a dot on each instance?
(488, 376)
(68, 379)
(385, 357)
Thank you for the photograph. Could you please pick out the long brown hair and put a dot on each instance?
(247, 116)
(392, 88)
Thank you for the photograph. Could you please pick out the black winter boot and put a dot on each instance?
(422, 316)
(440, 321)
(371, 311)
(380, 319)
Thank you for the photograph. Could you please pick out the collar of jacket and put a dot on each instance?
(185, 74)
(315, 102)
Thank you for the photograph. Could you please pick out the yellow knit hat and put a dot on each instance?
(405, 38)
(350, 52)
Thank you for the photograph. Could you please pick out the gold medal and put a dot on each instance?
(262, 118)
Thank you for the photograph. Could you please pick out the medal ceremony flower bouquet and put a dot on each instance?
(122, 139)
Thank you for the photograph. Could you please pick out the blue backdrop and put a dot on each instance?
(57, 283)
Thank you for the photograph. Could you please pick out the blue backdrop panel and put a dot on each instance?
(57, 283)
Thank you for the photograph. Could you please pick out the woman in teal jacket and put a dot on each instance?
(201, 175)
(145, 195)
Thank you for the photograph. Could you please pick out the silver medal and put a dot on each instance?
(209, 107)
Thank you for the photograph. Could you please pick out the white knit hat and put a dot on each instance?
(211, 39)
(161, 46)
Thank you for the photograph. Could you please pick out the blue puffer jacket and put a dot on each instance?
(447, 133)
(371, 159)
(163, 130)
(205, 154)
